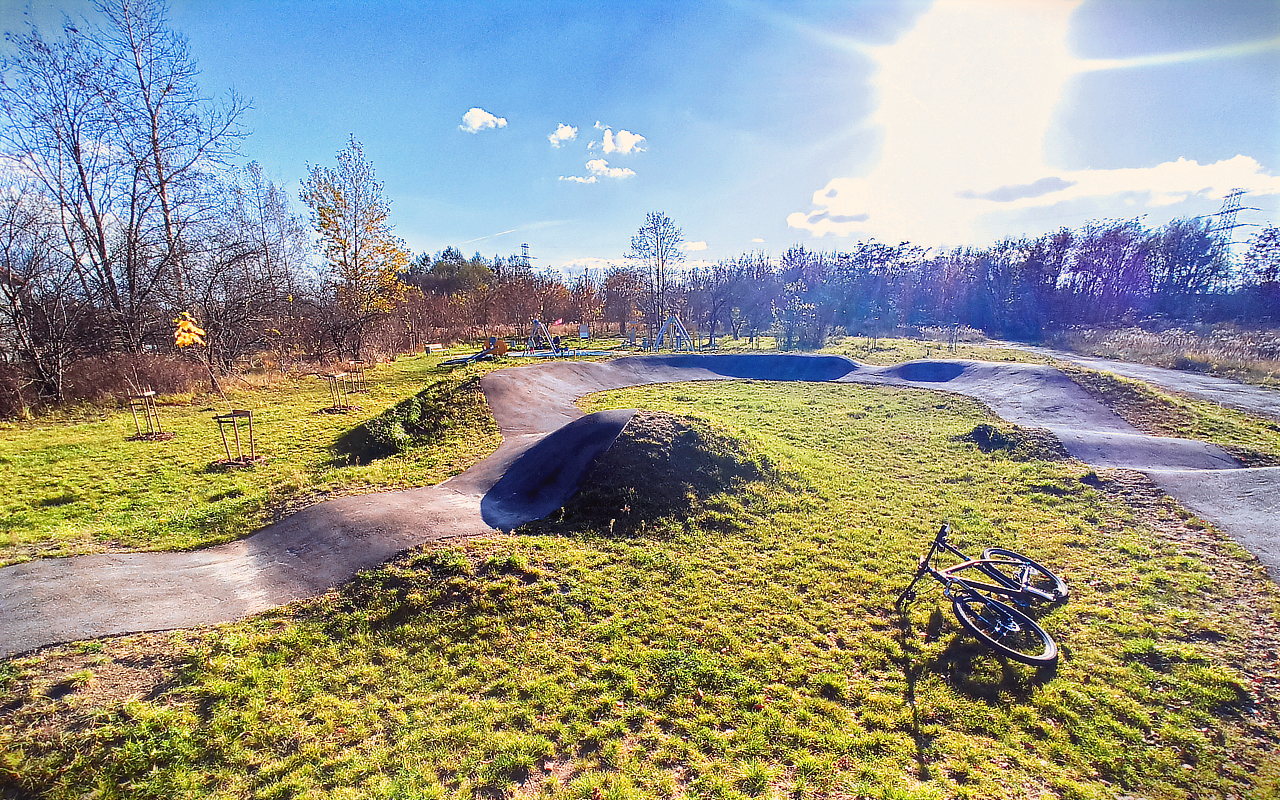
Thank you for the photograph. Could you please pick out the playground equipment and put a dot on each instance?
(497, 347)
(232, 420)
(538, 335)
(675, 333)
(146, 403)
(541, 344)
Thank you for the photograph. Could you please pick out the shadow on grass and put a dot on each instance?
(967, 666)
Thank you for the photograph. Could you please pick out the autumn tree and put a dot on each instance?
(363, 257)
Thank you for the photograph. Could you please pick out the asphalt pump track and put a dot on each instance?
(547, 445)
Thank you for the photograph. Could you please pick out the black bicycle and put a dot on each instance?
(1003, 626)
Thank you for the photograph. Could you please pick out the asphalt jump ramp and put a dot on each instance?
(548, 444)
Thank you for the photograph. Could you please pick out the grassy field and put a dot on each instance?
(1246, 355)
(75, 483)
(731, 643)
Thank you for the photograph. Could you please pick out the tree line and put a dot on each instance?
(1105, 273)
(121, 209)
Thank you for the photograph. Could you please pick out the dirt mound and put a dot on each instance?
(661, 465)
(1018, 443)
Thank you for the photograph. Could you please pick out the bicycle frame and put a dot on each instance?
(1018, 591)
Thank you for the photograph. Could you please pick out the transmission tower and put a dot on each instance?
(1226, 216)
(1224, 219)
(524, 255)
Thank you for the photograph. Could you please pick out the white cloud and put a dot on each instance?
(625, 142)
(598, 166)
(593, 145)
(563, 133)
(967, 98)
(689, 247)
(598, 126)
(578, 179)
(599, 266)
(758, 241)
(477, 119)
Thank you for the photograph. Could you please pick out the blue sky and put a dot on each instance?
(764, 124)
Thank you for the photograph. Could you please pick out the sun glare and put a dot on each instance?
(966, 100)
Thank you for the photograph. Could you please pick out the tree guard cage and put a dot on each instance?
(359, 382)
(675, 333)
(145, 402)
(340, 389)
(232, 420)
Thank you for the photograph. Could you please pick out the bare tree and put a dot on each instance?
(656, 249)
(40, 305)
(243, 268)
(622, 290)
(108, 119)
(172, 134)
(58, 130)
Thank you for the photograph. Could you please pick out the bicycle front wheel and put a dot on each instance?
(1005, 629)
(1016, 571)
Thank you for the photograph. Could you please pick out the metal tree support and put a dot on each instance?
(146, 403)
(232, 420)
(340, 392)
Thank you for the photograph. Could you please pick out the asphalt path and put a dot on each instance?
(1223, 391)
(548, 443)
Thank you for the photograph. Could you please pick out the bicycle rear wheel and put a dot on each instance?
(1018, 571)
(1005, 629)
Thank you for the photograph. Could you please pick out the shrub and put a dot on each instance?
(418, 418)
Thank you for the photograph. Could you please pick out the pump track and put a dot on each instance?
(548, 443)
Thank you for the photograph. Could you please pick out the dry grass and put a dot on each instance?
(1251, 356)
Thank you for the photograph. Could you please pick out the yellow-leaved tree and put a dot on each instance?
(364, 259)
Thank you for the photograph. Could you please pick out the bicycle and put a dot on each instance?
(1003, 627)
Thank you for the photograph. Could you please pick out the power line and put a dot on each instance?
(1221, 227)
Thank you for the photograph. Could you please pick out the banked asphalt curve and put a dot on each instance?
(548, 443)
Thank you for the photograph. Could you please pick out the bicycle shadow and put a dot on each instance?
(966, 665)
(913, 665)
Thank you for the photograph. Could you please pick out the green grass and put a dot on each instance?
(76, 484)
(742, 646)
(886, 351)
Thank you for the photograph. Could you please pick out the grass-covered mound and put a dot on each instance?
(741, 646)
(452, 399)
(1017, 442)
(661, 466)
